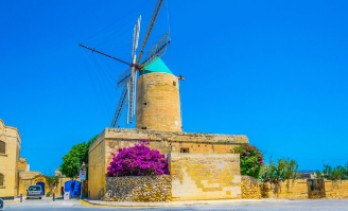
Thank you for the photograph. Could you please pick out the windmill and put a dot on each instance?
(128, 78)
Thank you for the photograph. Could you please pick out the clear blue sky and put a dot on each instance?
(275, 71)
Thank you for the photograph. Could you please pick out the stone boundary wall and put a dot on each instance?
(336, 189)
(288, 189)
(141, 189)
(300, 189)
(250, 188)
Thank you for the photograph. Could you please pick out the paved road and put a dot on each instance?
(238, 205)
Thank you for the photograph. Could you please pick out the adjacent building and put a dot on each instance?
(10, 144)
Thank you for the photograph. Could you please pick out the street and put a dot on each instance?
(240, 205)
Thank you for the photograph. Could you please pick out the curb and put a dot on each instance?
(170, 204)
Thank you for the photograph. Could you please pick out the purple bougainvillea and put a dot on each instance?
(139, 160)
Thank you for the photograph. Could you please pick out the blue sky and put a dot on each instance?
(275, 71)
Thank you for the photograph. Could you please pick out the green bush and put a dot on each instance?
(334, 173)
(251, 160)
(280, 171)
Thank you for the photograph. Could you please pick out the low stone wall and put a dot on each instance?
(289, 189)
(304, 189)
(250, 188)
(336, 189)
(144, 189)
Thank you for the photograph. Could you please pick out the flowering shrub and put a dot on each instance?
(251, 160)
(139, 160)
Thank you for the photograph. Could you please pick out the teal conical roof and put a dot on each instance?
(156, 66)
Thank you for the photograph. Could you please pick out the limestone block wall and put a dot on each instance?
(25, 180)
(158, 102)
(32, 178)
(23, 186)
(58, 189)
(167, 142)
(289, 189)
(110, 140)
(9, 160)
(336, 189)
(144, 189)
(205, 176)
(22, 165)
(8, 169)
(250, 188)
(97, 171)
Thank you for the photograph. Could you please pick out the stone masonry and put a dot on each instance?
(144, 189)
(110, 140)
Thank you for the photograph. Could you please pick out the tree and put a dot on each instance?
(251, 160)
(280, 171)
(277, 172)
(138, 160)
(52, 182)
(334, 173)
(71, 165)
(75, 157)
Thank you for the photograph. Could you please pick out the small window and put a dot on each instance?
(184, 150)
(2, 147)
(1, 180)
(174, 83)
(144, 128)
(145, 103)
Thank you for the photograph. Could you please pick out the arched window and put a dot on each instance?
(2, 147)
(1, 180)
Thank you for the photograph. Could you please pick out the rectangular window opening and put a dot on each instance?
(184, 150)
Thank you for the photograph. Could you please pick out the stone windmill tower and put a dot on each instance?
(150, 89)
(158, 100)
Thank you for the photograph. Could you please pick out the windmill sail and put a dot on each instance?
(119, 108)
(124, 77)
(149, 28)
(131, 85)
(128, 78)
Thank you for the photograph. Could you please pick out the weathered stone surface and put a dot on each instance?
(111, 140)
(168, 136)
(158, 102)
(11, 140)
(205, 176)
(144, 188)
(250, 188)
(301, 189)
(336, 189)
(289, 189)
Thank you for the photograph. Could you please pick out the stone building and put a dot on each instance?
(15, 174)
(27, 178)
(10, 144)
(202, 166)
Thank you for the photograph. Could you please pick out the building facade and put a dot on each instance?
(10, 144)
(190, 155)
